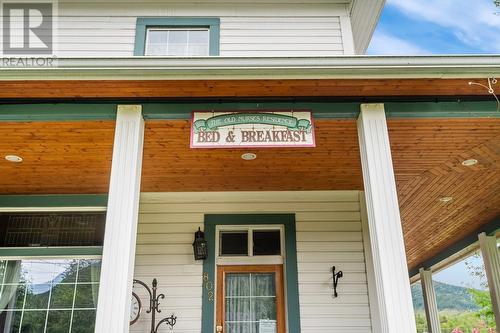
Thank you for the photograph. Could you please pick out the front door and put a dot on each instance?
(250, 299)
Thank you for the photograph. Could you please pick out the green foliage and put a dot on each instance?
(459, 307)
(483, 300)
(466, 321)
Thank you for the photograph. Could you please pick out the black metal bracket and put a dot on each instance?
(154, 303)
(336, 277)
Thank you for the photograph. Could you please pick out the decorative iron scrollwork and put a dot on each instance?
(336, 277)
(154, 303)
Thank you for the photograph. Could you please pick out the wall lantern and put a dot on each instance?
(200, 246)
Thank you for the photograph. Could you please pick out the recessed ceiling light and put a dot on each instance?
(469, 162)
(248, 156)
(446, 199)
(13, 158)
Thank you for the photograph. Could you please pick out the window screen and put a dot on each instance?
(51, 229)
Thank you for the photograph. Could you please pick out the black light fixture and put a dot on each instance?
(200, 246)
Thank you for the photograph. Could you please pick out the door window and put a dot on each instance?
(251, 299)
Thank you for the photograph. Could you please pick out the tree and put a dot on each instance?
(481, 297)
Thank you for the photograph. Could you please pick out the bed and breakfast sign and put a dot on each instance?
(252, 129)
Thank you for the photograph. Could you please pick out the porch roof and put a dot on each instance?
(74, 156)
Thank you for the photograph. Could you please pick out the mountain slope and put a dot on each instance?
(448, 297)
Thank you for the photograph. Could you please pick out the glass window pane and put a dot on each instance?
(14, 295)
(237, 284)
(86, 295)
(178, 36)
(58, 321)
(263, 284)
(37, 296)
(233, 243)
(266, 242)
(238, 309)
(65, 271)
(83, 321)
(62, 296)
(198, 49)
(264, 308)
(156, 49)
(33, 321)
(13, 271)
(89, 270)
(10, 321)
(198, 37)
(157, 36)
(3, 264)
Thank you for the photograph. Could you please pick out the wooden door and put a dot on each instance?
(250, 299)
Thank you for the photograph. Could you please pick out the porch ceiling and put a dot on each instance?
(75, 157)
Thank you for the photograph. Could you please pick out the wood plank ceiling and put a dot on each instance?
(75, 157)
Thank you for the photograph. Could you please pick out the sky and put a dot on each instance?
(459, 275)
(420, 27)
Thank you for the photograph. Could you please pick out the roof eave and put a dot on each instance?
(343, 67)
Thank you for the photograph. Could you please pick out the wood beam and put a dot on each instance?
(66, 89)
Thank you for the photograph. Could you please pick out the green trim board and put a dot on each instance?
(490, 229)
(143, 23)
(54, 201)
(175, 110)
(441, 109)
(57, 112)
(291, 274)
(50, 251)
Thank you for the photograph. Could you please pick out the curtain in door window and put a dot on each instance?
(250, 304)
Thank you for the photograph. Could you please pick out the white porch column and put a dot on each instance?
(115, 290)
(386, 236)
(430, 303)
(491, 259)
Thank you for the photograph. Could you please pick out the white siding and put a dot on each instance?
(328, 233)
(258, 29)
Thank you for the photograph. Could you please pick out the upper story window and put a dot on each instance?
(177, 37)
(177, 42)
